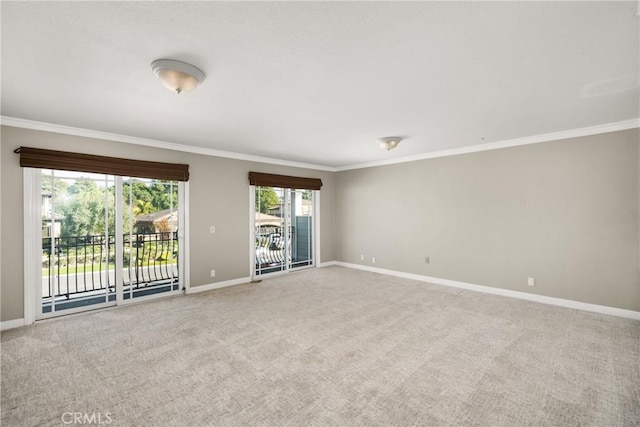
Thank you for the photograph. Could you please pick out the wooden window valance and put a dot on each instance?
(283, 181)
(62, 160)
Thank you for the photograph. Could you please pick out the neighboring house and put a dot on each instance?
(269, 223)
(303, 207)
(51, 227)
(157, 222)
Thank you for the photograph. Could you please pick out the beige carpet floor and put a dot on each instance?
(330, 346)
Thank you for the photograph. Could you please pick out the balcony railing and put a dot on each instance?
(270, 254)
(270, 250)
(86, 264)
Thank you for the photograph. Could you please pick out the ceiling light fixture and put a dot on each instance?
(389, 142)
(177, 76)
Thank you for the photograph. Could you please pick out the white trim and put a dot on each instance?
(32, 240)
(252, 231)
(218, 285)
(316, 228)
(534, 139)
(118, 240)
(328, 264)
(602, 309)
(88, 133)
(286, 231)
(11, 324)
(183, 241)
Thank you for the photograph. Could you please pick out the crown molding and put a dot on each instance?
(535, 139)
(88, 133)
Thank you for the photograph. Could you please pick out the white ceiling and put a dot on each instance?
(319, 82)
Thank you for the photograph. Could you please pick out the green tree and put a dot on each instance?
(150, 197)
(84, 210)
(164, 195)
(266, 198)
(59, 185)
(139, 192)
(142, 207)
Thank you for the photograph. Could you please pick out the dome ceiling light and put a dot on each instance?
(389, 142)
(177, 76)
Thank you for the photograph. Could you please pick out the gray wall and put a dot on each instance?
(564, 212)
(219, 195)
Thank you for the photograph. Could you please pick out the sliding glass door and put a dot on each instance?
(283, 229)
(106, 239)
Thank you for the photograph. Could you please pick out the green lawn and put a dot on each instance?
(71, 269)
(82, 269)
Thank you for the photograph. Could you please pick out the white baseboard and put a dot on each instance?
(218, 285)
(602, 309)
(327, 264)
(10, 324)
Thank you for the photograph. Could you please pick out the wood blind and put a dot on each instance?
(283, 181)
(62, 160)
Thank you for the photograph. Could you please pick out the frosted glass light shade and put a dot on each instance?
(389, 142)
(177, 76)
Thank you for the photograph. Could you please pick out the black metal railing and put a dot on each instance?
(84, 264)
(151, 258)
(269, 250)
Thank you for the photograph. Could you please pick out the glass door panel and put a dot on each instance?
(270, 230)
(78, 250)
(150, 237)
(301, 229)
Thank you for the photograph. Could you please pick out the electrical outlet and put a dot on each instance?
(361, 257)
(213, 273)
(531, 281)
(373, 260)
(212, 229)
(427, 260)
